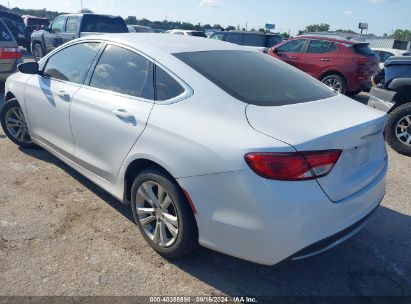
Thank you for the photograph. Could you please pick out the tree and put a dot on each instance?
(402, 35)
(86, 11)
(322, 27)
(131, 20)
(230, 28)
(345, 31)
(285, 35)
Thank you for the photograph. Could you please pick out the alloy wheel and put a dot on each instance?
(17, 126)
(334, 84)
(37, 52)
(157, 214)
(403, 130)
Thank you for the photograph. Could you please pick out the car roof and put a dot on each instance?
(153, 43)
(391, 50)
(329, 38)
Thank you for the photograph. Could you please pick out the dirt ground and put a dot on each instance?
(62, 235)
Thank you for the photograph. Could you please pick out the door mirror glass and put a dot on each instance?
(29, 68)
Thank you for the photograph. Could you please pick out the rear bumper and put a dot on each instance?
(264, 221)
(381, 99)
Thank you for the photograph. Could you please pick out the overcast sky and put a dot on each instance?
(383, 16)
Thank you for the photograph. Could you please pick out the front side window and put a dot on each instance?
(218, 36)
(72, 63)
(58, 24)
(73, 23)
(166, 86)
(318, 47)
(256, 78)
(123, 71)
(293, 46)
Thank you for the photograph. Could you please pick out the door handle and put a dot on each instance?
(64, 95)
(325, 59)
(292, 57)
(124, 115)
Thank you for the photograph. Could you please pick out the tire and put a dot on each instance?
(186, 239)
(401, 116)
(336, 82)
(37, 51)
(16, 130)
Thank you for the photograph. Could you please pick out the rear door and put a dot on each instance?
(319, 56)
(109, 114)
(291, 52)
(72, 28)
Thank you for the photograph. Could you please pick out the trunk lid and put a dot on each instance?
(334, 123)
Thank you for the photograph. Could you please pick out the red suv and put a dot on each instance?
(344, 65)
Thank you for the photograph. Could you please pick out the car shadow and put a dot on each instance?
(375, 262)
(46, 156)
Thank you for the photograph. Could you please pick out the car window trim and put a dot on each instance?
(46, 59)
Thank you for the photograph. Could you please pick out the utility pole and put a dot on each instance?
(8, 2)
(81, 4)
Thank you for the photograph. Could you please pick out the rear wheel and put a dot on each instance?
(14, 124)
(335, 82)
(398, 129)
(38, 52)
(162, 214)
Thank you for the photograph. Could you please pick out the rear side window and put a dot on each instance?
(73, 23)
(72, 63)
(254, 40)
(123, 71)
(234, 38)
(103, 24)
(166, 86)
(5, 35)
(318, 46)
(293, 46)
(363, 49)
(256, 78)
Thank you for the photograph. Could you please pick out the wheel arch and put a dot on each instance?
(9, 96)
(332, 72)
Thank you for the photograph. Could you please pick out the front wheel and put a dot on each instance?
(14, 124)
(37, 52)
(398, 129)
(162, 214)
(335, 82)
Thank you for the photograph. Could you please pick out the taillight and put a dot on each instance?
(10, 53)
(361, 60)
(293, 166)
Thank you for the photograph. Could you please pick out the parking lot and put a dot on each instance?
(62, 235)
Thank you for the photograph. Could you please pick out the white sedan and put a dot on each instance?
(209, 143)
(384, 54)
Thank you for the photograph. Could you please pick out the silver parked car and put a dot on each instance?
(10, 54)
(207, 141)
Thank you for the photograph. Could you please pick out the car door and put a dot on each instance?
(48, 96)
(318, 57)
(72, 27)
(290, 51)
(52, 38)
(108, 116)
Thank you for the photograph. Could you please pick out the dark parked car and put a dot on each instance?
(261, 41)
(70, 26)
(10, 55)
(392, 94)
(17, 28)
(344, 65)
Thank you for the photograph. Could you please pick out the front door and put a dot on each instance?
(108, 116)
(52, 38)
(290, 52)
(48, 103)
(320, 55)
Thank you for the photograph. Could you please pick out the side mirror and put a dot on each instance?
(275, 50)
(29, 68)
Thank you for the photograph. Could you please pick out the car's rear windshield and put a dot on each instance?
(103, 24)
(363, 49)
(256, 78)
(4, 33)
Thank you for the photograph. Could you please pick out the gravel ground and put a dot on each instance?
(62, 235)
